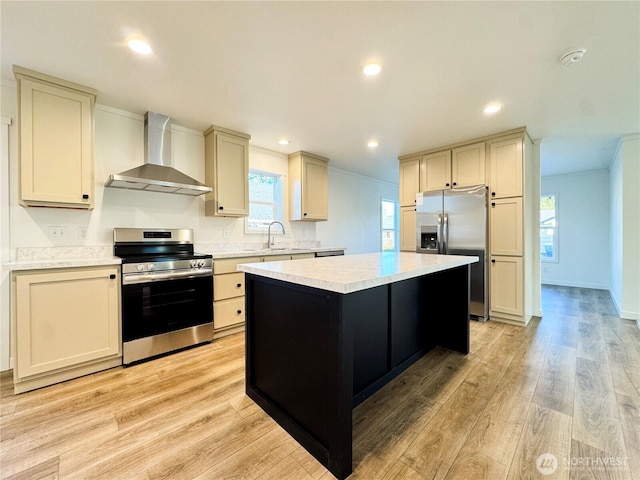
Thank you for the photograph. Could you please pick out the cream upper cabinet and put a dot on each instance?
(409, 181)
(468, 166)
(56, 123)
(506, 167)
(408, 239)
(66, 324)
(227, 172)
(436, 171)
(460, 167)
(308, 187)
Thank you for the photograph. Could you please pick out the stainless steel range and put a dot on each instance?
(167, 292)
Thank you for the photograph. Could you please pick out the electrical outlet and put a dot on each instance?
(58, 234)
(225, 233)
(82, 232)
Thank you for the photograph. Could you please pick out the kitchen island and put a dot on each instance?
(324, 334)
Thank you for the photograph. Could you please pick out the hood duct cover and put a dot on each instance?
(156, 174)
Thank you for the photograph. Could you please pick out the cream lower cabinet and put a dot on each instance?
(506, 294)
(228, 291)
(66, 323)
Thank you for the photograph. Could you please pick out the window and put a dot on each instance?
(389, 226)
(549, 228)
(265, 200)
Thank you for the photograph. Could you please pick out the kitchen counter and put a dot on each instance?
(272, 251)
(346, 274)
(324, 334)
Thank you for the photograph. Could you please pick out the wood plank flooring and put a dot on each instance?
(568, 385)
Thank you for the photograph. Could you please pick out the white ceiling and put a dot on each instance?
(293, 69)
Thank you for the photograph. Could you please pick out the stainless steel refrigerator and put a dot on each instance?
(454, 222)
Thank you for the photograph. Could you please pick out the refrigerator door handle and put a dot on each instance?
(445, 236)
(439, 234)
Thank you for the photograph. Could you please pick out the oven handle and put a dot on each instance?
(133, 278)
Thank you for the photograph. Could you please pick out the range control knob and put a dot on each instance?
(140, 267)
(201, 263)
(193, 263)
(151, 266)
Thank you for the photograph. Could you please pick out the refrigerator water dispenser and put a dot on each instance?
(428, 239)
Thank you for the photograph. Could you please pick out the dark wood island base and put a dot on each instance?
(312, 355)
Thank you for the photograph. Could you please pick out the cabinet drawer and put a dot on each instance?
(228, 286)
(227, 313)
(228, 265)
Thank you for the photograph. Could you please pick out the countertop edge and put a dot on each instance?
(60, 263)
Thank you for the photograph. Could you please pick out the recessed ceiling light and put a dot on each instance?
(492, 108)
(139, 46)
(372, 143)
(372, 69)
(284, 141)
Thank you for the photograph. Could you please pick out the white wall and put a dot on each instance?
(354, 200)
(355, 211)
(625, 228)
(583, 229)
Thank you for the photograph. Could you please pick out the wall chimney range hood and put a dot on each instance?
(156, 174)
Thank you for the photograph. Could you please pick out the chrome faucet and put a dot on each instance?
(269, 239)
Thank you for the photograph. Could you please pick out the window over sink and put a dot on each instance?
(265, 200)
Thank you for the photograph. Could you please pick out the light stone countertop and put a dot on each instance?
(278, 251)
(351, 273)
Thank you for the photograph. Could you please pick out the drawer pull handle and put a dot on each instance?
(493, 261)
(112, 276)
(493, 204)
(239, 285)
(85, 196)
(239, 312)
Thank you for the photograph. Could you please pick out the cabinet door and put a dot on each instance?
(468, 165)
(232, 175)
(66, 318)
(408, 229)
(227, 313)
(506, 280)
(409, 182)
(506, 226)
(314, 189)
(437, 171)
(56, 146)
(505, 165)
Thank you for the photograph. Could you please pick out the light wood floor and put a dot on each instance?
(567, 385)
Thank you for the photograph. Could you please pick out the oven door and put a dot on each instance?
(158, 307)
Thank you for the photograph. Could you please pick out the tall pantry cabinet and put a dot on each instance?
(504, 162)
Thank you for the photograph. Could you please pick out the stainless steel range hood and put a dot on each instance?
(156, 174)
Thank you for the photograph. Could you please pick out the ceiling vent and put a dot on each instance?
(570, 58)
